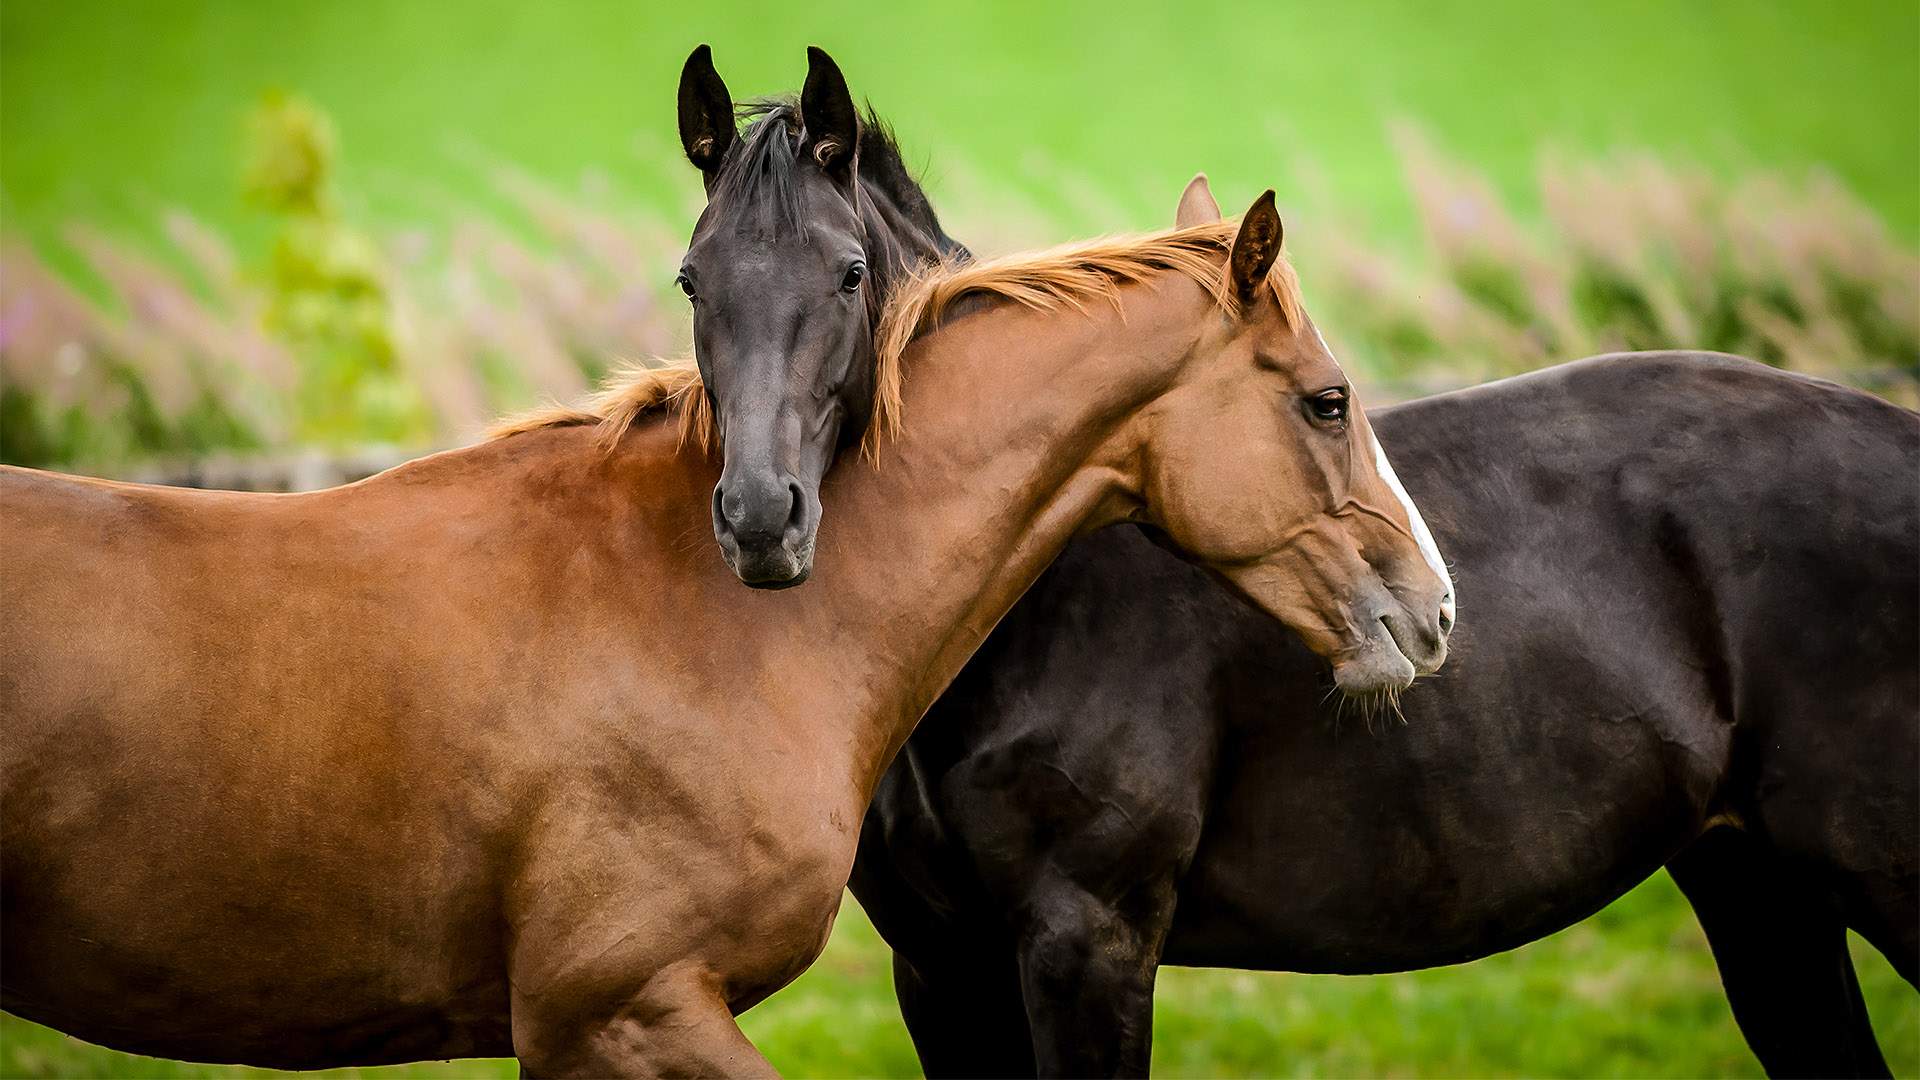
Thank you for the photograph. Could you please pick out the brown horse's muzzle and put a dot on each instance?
(1401, 638)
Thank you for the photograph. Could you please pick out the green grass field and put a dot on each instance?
(1630, 992)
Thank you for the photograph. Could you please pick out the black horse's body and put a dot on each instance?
(1689, 637)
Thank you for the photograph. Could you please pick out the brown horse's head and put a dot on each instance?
(1263, 468)
(786, 271)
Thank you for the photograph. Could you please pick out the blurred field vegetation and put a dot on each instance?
(248, 227)
(336, 335)
(289, 224)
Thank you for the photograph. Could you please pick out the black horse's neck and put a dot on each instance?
(903, 232)
(884, 175)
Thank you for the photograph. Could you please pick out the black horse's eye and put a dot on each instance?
(1328, 406)
(851, 281)
(685, 283)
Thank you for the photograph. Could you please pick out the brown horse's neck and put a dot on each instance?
(1021, 431)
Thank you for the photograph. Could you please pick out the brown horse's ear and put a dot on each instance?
(1255, 247)
(826, 110)
(706, 113)
(1196, 204)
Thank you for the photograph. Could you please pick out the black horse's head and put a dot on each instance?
(810, 218)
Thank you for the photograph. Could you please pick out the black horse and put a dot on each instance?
(1689, 637)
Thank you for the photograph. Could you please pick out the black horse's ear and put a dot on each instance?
(1255, 247)
(826, 109)
(706, 113)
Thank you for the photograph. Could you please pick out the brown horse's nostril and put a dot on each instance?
(1446, 619)
(796, 509)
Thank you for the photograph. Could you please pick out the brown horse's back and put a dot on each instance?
(128, 615)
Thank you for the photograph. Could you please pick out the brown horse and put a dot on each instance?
(488, 755)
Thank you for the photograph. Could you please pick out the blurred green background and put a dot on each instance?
(255, 229)
(114, 104)
(252, 227)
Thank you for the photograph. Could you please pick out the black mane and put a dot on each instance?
(758, 169)
(883, 168)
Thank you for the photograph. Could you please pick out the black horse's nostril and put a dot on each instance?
(754, 513)
(796, 508)
(728, 507)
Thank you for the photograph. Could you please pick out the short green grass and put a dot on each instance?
(1630, 992)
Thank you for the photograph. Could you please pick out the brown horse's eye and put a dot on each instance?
(850, 282)
(1328, 406)
(686, 285)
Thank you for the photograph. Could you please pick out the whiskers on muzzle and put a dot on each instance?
(1370, 707)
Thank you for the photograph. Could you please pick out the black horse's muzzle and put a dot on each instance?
(766, 527)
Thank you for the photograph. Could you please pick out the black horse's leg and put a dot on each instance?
(1885, 909)
(1087, 967)
(965, 1015)
(1781, 944)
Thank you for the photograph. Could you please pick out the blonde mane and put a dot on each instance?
(1070, 276)
(629, 393)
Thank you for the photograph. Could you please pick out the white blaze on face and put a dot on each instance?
(1421, 534)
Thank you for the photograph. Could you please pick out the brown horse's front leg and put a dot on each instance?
(676, 1025)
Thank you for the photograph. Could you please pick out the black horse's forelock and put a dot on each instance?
(757, 175)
